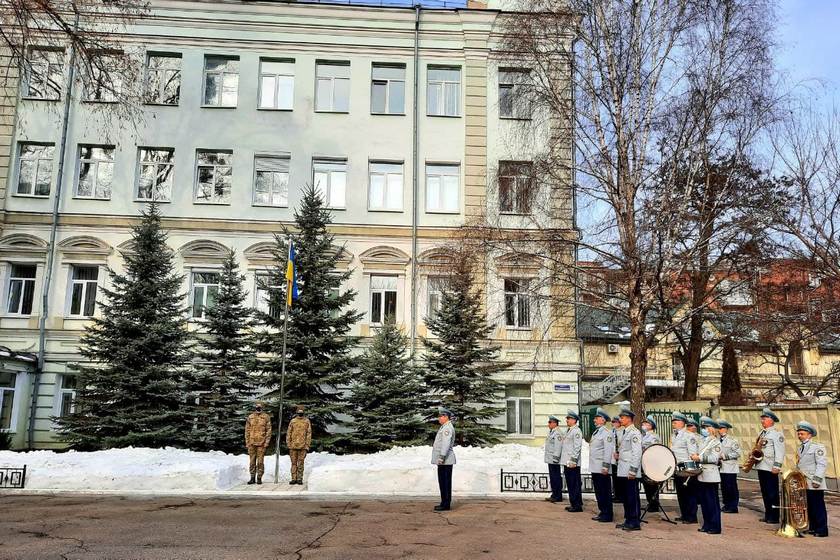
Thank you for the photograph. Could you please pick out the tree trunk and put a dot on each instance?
(730, 379)
(691, 358)
(638, 359)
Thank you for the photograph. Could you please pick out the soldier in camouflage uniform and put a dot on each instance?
(257, 436)
(298, 440)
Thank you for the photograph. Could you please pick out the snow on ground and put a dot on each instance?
(402, 470)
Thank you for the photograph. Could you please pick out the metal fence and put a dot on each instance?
(12, 477)
(531, 482)
(661, 417)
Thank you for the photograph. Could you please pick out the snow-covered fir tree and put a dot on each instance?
(318, 359)
(387, 396)
(225, 380)
(460, 362)
(133, 389)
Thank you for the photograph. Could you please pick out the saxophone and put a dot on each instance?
(756, 454)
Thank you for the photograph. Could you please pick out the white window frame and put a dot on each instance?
(96, 165)
(376, 170)
(382, 292)
(435, 288)
(518, 181)
(158, 166)
(275, 105)
(47, 67)
(328, 194)
(276, 174)
(72, 282)
(23, 282)
(15, 391)
(331, 108)
(62, 392)
(387, 81)
(517, 401)
(518, 296)
(223, 75)
(442, 85)
(167, 74)
(216, 167)
(37, 166)
(261, 300)
(205, 285)
(434, 172)
(520, 109)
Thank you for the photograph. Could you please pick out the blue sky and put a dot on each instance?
(809, 33)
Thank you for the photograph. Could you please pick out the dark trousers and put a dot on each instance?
(445, 484)
(632, 507)
(650, 495)
(817, 516)
(555, 478)
(691, 491)
(769, 484)
(573, 485)
(603, 495)
(708, 497)
(729, 489)
(618, 494)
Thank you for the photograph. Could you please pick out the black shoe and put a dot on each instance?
(729, 511)
(713, 532)
(574, 510)
(678, 518)
(820, 535)
(252, 481)
(702, 530)
(259, 480)
(685, 522)
(619, 525)
(597, 518)
(631, 528)
(292, 483)
(553, 500)
(605, 520)
(616, 500)
(441, 508)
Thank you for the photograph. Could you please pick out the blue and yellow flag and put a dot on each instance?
(291, 276)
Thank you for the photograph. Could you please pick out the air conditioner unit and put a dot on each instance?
(612, 348)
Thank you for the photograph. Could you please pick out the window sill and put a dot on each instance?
(79, 317)
(90, 198)
(387, 114)
(31, 98)
(218, 106)
(24, 195)
(100, 102)
(156, 104)
(386, 210)
(445, 116)
(14, 316)
(275, 109)
(206, 203)
(258, 205)
(501, 118)
(517, 214)
(148, 200)
(342, 208)
(328, 112)
(444, 212)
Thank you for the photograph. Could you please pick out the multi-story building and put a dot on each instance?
(398, 115)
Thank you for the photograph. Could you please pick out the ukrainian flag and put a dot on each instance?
(291, 276)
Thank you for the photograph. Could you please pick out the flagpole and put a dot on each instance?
(282, 372)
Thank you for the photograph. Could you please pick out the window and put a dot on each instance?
(330, 180)
(518, 398)
(517, 303)
(263, 291)
(104, 81)
(35, 169)
(96, 172)
(205, 289)
(83, 290)
(7, 399)
(383, 299)
(163, 79)
(387, 89)
(386, 186)
(516, 187)
(277, 84)
(512, 101)
(443, 188)
(436, 286)
(154, 180)
(21, 289)
(213, 177)
(271, 181)
(66, 396)
(221, 81)
(332, 92)
(443, 95)
(44, 75)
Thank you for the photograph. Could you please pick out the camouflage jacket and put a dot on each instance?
(299, 434)
(258, 429)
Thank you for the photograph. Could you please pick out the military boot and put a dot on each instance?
(252, 481)
(259, 480)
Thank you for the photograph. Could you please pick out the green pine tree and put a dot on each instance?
(133, 390)
(460, 363)
(318, 346)
(387, 395)
(224, 376)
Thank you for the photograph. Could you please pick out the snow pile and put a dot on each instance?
(398, 471)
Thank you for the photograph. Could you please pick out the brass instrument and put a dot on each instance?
(756, 454)
(794, 504)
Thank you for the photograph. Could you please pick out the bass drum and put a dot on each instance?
(658, 463)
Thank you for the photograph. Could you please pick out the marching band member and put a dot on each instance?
(683, 445)
(691, 484)
(707, 481)
(616, 487)
(773, 445)
(650, 437)
(629, 468)
(570, 459)
(552, 457)
(812, 461)
(730, 454)
(601, 446)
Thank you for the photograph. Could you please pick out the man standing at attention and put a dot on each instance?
(443, 455)
(552, 457)
(629, 470)
(570, 457)
(298, 440)
(257, 436)
(773, 445)
(601, 447)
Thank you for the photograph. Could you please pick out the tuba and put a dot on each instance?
(756, 454)
(794, 504)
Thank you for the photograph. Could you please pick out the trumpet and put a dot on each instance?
(756, 454)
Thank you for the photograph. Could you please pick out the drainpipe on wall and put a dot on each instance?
(414, 181)
(581, 350)
(45, 292)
